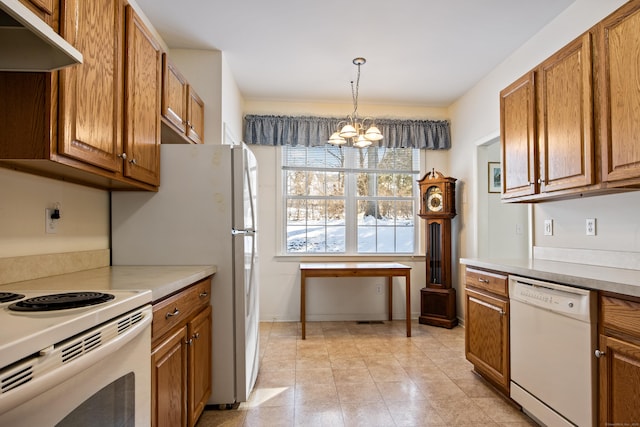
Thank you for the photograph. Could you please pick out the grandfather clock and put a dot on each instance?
(437, 207)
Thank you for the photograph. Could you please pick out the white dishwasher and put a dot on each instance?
(553, 339)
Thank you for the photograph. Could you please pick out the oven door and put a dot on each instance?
(97, 384)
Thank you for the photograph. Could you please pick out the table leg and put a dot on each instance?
(407, 279)
(302, 303)
(390, 292)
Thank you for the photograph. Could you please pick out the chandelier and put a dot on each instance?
(353, 129)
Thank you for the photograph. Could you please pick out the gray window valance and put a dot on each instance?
(312, 131)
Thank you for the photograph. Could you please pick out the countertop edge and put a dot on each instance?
(160, 280)
(617, 280)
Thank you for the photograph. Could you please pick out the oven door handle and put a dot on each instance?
(49, 371)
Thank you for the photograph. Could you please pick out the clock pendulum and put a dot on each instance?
(437, 207)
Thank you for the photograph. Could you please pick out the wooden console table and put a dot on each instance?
(356, 269)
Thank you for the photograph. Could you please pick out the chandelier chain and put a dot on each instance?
(354, 94)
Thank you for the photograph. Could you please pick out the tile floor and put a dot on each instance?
(350, 374)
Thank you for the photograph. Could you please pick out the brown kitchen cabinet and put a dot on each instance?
(181, 356)
(44, 9)
(619, 360)
(487, 325)
(547, 126)
(69, 124)
(619, 95)
(182, 108)
(169, 380)
(518, 138)
(143, 83)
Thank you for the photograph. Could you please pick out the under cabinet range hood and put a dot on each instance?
(28, 44)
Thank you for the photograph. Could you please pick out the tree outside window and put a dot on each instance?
(343, 200)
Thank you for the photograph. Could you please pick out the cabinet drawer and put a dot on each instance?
(620, 314)
(177, 309)
(490, 281)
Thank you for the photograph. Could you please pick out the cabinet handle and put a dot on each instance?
(133, 162)
(492, 307)
(600, 354)
(204, 294)
(189, 341)
(481, 280)
(175, 313)
(123, 156)
(196, 335)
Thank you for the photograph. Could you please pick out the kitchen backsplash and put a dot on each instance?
(17, 269)
(615, 259)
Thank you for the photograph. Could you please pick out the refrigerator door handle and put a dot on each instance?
(236, 232)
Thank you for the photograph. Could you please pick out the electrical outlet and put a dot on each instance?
(548, 227)
(518, 229)
(590, 226)
(379, 289)
(50, 225)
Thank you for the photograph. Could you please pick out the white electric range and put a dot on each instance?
(104, 337)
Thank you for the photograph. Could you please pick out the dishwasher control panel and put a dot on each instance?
(573, 302)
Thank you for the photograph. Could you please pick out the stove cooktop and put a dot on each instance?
(61, 301)
(26, 332)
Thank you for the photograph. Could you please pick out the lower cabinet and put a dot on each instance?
(619, 361)
(181, 356)
(487, 325)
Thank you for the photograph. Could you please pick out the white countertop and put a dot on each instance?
(161, 280)
(619, 280)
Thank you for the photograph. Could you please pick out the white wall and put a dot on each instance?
(84, 223)
(476, 115)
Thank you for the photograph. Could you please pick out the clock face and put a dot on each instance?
(433, 199)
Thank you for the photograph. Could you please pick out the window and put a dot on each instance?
(349, 200)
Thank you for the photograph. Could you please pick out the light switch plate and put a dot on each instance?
(548, 227)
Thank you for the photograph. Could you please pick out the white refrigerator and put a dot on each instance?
(203, 213)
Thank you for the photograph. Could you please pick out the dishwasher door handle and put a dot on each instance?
(486, 304)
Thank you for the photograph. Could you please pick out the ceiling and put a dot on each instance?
(419, 52)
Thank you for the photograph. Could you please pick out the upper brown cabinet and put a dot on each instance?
(143, 84)
(518, 135)
(582, 100)
(195, 117)
(96, 123)
(565, 118)
(619, 93)
(90, 110)
(182, 108)
(44, 9)
(547, 126)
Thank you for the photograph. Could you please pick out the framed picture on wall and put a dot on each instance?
(495, 177)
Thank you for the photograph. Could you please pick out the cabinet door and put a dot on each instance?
(90, 110)
(44, 9)
(487, 336)
(619, 93)
(169, 381)
(174, 96)
(565, 116)
(143, 79)
(619, 382)
(195, 113)
(199, 364)
(518, 137)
